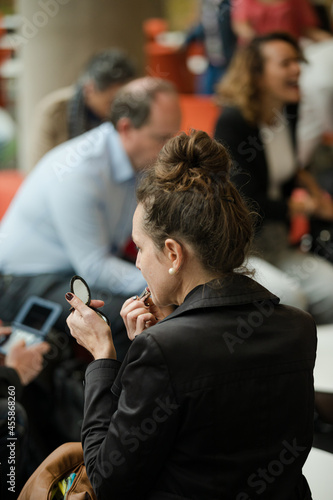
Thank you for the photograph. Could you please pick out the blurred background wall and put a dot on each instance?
(51, 40)
(59, 36)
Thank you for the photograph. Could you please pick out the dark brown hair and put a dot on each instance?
(187, 195)
(240, 85)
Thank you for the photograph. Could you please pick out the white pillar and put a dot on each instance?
(57, 37)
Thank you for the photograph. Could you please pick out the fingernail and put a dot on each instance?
(69, 296)
(134, 297)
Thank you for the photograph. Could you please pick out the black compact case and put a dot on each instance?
(80, 288)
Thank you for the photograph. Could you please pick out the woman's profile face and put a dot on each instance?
(153, 263)
(280, 77)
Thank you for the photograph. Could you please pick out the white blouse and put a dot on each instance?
(280, 156)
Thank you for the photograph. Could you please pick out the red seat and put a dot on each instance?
(299, 223)
(198, 112)
(10, 181)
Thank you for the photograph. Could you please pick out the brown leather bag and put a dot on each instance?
(58, 465)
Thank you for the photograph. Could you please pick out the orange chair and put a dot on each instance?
(153, 27)
(10, 181)
(299, 223)
(198, 112)
(165, 61)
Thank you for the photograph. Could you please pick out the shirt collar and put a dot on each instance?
(121, 166)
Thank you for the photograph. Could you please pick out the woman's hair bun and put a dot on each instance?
(187, 195)
(192, 160)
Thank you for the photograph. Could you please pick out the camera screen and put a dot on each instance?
(36, 316)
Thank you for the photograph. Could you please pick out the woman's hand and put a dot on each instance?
(89, 329)
(138, 316)
(315, 200)
(303, 204)
(319, 205)
(324, 208)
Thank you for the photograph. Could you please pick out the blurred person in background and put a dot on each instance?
(73, 213)
(215, 32)
(259, 97)
(71, 111)
(18, 369)
(7, 140)
(299, 18)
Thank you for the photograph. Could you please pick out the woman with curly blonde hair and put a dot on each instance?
(241, 85)
(259, 95)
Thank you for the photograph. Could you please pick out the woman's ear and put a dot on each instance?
(174, 251)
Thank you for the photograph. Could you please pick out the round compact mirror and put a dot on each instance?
(80, 288)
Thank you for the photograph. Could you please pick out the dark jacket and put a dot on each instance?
(250, 173)
(8, 378)
(214, 402)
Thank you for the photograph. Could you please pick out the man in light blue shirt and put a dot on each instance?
(73, 214)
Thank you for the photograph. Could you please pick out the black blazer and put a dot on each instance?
(250, 172)
(214, 402)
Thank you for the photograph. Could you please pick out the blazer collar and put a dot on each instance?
(234, 290)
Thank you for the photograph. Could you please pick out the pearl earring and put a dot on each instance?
(172, 271)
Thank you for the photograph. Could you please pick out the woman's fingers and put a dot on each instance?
(132, 316)
(97, 303)
(76, 303)
(142, 322)
(136, 316)
(129, 301)
(81, 306)
(131, 305)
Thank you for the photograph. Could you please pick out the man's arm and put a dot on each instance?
(82, 225)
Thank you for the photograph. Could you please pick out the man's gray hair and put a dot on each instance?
(107, 68)
(134, 100)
